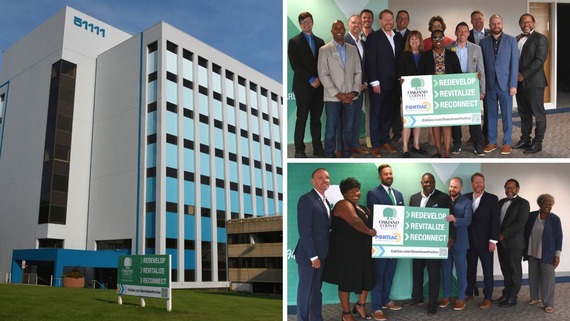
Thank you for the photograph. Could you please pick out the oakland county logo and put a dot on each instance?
(127, 271)
(389, 213)
(417, 91)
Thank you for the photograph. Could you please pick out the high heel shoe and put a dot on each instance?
(355, 311)
(343, 314)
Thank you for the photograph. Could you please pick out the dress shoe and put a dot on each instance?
(508, 303)
(338, 154)
(432, 311)
(300, 155)
(319, 153)
(459, 305)
(415, 302)
(486, 304)
(444, 302)
(406, 155)
(379, 315)
(388, 147)
(455, 149)
(419, 150)
(506, 149)
(396, 137)
(359, 151)
(479, 152)
(533, 149)
(501, 299)
(523, 144)
(392, 306)
(376, 152)
(489, 148)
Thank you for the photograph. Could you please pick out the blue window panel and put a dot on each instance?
(187, 69)
(152, 62)
(219, 138)
(171, 92)
(222, 235)
(203, 76)
(260, 208)
(172, 189)
(171, 62)
(280, 210)
(231, 115)
(255, 124)
(269, 181)
(149, 251)
(264, 106)
(230, 88)
(188, 128)
(219, 167)
(265, 127)
(206, 229)
(189, 227)
(171, 123)
(151, 92)
(247, 203)
(171, 225)
(233, 172)
(271, 207)
(267, 154)
(276, 133)
(189, 160)
(217, 109)
(204, 106)
(256, 151)
(280, 183)
(189, 259)
(150, 222)
(234, 197)
(253, 98)
(188, 96)
(171, 155)
(189, 193)
(206, 197)
(243, 117)
(258, 176)
(151, 155)
(274, 108)
(204, 134)
(204, 164)
(150, 189)
(244, 146)
(220, 199)
(232, 143)
(174, 257)
(216, 82)
(246, 175)
(151, 123)
(241, 91)
(277, 157)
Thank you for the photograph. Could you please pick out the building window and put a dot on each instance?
(50, 244)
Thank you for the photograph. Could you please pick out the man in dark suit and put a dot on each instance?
(367, 17)
(313, 222)
(483, 237)
(402, 22)
(514, 214)
(460, 218)
(501, 58)
(533, 48)
(385, 268)
(428, 197)
(382, 49)
(303, 51)
(478, 32)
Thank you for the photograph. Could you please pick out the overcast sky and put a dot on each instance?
(247, 30)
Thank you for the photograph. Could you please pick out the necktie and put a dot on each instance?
(328, 206)
(524, 35)
(391, 195)
(313, 46)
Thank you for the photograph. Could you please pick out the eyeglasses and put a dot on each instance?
(306, 21)
(437, 38)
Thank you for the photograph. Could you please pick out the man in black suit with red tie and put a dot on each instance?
(303, 51)
(483, 237)
(533, 52)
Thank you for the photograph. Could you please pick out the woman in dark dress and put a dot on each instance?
(349, 264)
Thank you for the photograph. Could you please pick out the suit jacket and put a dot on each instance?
(485, 221)
(313, 223)
(462, 210)
(378, 195)
(505, 66)
(531, 60)
(471, 37)
(513, 223)
(348, 38)
(406, 65)
(302, 61)
(426, 65)
(404, 36)
(474, 61)
(335, 77)
(381, 59)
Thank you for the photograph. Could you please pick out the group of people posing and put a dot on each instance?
(335, 246)
(365, 68)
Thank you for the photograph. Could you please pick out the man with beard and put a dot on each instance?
(483, 237)
(385, 268)
(501, 57)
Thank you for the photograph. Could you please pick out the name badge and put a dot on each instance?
(335, 54)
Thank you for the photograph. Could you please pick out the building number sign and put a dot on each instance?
(88, 26)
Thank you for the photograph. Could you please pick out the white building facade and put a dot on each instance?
(146, 144)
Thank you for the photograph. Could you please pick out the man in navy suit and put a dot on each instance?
(483, 237)
(382, 49)
(501, 57)
(385, 269)
(428, 197)
(514, 215)
(303, 52)
(478, 32)
(533, 48)
(460, 216)
(313, 222)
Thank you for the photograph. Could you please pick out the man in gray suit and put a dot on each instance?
(341, 75)
(501, 57)
(533, 49)
(471, 60)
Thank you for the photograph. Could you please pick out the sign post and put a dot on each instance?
(410, 232)
(145, 276)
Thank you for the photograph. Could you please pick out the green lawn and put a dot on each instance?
(43, 303)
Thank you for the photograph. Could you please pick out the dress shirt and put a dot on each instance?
(463, 55)
(522, 41)
(505, 207)
(341, 51)
(359, 45)
(478, 35)
(425, 199)
(311, 40)
(476, 201)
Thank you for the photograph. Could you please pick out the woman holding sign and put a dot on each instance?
(349, 264)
